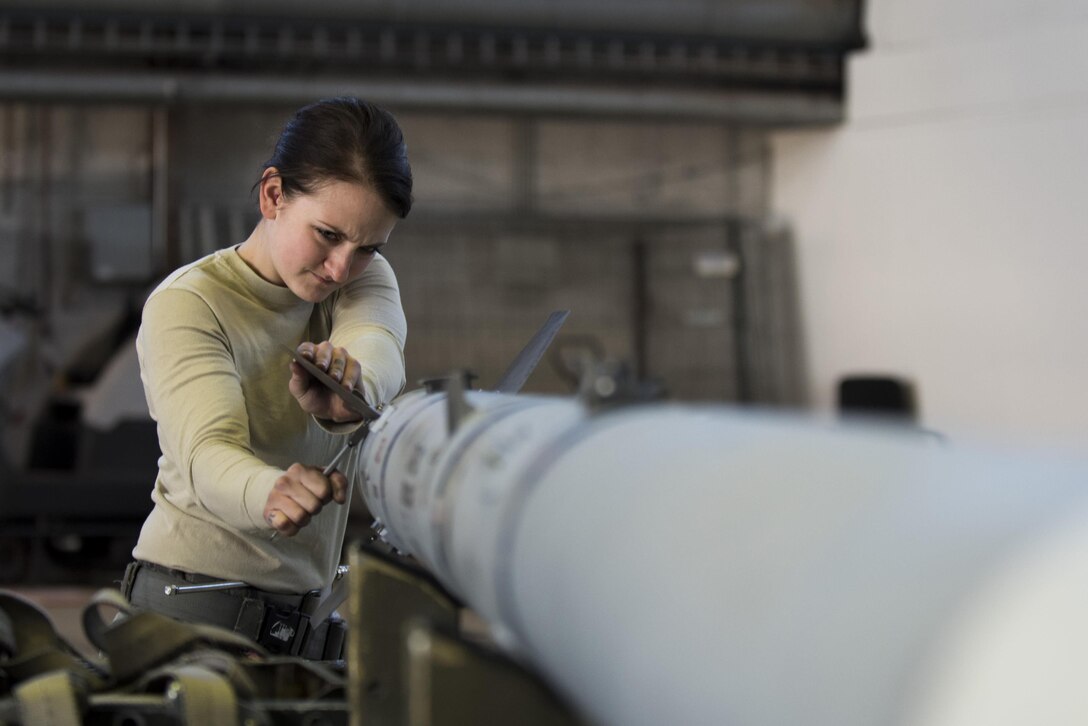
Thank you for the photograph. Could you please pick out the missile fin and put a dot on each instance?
(457, 406)
(526, 361)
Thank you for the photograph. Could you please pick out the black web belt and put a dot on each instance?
(280, 623)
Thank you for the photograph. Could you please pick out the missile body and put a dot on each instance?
(680, 564)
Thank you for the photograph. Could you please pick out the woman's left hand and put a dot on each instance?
(312, 395)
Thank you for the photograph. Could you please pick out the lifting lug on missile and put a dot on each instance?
(457, 406)
(438, 385)
(610, 383)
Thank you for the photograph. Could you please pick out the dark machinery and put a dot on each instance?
(71, 508)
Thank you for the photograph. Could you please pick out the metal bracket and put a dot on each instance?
(408, 662)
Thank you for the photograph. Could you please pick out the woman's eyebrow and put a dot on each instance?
(331, 228)
(336, 230)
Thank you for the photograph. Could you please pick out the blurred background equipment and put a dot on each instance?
(883, 396)
(609, 157)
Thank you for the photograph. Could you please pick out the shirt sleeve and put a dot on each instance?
(194, 393)
(368, 320)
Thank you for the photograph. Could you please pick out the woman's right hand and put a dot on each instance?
(299, 494)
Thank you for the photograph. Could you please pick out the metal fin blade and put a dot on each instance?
(526, 361)
(457, 406)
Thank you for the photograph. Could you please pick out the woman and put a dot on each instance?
(244, 430)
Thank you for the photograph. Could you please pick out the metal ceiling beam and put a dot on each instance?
(58, 40)
(835, 23)
(749, 107)
(774, 62)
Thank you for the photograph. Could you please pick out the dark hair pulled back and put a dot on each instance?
(344, 139)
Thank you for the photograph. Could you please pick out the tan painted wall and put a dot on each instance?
(942, 230)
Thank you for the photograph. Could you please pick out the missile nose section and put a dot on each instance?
(436, 489)
(826, 575)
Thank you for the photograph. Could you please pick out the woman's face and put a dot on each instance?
(318, 242)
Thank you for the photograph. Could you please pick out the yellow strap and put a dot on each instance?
(34, 645)
(94, 625)
(204, 698)
(49, 700)
(7, 635)
(145, 639)
(31, 629)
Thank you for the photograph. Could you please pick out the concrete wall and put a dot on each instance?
(569, 204)
(516, 216)
(648, 230)
(943, 230)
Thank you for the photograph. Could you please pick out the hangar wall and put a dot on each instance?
(518, 215)
(941, 230)
(652, 231)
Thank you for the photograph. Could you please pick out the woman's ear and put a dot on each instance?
(270, 193)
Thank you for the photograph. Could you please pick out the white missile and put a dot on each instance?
(666, 564)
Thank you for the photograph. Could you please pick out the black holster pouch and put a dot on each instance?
(283, 630)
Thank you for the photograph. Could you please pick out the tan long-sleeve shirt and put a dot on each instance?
(214, 347)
